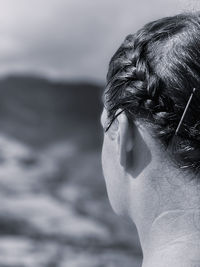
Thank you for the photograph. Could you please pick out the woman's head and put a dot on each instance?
(151, 77)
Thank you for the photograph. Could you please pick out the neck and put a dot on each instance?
(173, 240)
(166, 212)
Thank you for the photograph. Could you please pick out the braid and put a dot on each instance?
(136, 87)
(151, 77)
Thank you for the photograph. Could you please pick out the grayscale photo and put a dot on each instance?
(100, 133)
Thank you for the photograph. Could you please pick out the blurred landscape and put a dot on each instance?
(54, 208)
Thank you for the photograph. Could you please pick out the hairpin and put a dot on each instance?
(185, 111)
(180, 122)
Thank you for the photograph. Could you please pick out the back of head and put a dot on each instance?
(151, 77)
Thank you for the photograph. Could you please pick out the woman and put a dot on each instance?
(151, 149)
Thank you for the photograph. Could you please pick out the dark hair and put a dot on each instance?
(151, 77)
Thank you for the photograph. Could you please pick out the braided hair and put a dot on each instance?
(151, 77)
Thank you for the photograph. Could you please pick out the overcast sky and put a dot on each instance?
(71, 39)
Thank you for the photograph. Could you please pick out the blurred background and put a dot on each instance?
(54, 55)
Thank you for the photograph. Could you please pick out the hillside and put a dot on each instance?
(38, 111)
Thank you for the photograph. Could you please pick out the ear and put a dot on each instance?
(131, 144)
(134, 153)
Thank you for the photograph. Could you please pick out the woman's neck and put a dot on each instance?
(166, 210)
(174, 240)
(169, 221)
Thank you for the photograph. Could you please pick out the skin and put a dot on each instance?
(144, 185)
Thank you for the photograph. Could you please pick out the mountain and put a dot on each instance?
(39, 111)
